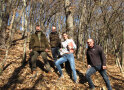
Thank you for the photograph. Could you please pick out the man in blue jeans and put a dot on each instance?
(96, 62)
(67, 50)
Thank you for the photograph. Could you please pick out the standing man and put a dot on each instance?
(55, 43)
(38, 45)
(67, 50)
(96, 62)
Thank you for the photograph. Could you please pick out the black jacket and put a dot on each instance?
(96, 56)
(55, 40)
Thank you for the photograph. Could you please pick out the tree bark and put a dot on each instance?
(5, 18)
(69, 18)
(24, 25)
(123, 51)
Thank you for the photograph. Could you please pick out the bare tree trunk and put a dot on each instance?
(24, 25)
(69, 18)
(118, 63)
(2, 6)
(123, 50)
(5, 18)
(81, 32)
(4, 61)
(9, 41)
(10, 28)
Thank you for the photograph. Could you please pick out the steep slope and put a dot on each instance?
(18, 76)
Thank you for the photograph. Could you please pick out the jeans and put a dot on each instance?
(103, 73)
(34, 55)
(55, 52)
(64, 58)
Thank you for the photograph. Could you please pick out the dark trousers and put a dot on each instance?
(103, 73)
(34, 55)
(55, 52)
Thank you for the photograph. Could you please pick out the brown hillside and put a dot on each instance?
(18, 76)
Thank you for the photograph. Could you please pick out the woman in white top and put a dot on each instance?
(67, 50)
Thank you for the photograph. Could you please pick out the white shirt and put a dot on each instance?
(65, 46)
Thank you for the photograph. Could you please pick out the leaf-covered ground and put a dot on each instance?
(18, 76)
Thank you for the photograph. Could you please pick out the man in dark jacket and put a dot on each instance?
(55, 43)
(38, 45)
(96, 62)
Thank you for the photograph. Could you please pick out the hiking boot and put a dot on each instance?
(75, 82)
(49, 74)
(34, 74)
(62, 76)
(92, 88)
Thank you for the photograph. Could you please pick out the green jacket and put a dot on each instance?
(37, 44)
(55, 40)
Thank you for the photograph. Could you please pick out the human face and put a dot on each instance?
(37, 28)
(90, 43)
(65, 36)
(53, 29)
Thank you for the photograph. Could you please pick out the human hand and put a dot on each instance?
(104, 67)
(88, 66)
(60, 49)
(30, 50)
(70, 47)
(46, 50)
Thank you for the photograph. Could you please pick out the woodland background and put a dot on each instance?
(102, 20)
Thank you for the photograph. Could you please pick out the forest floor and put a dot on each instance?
(18, 76)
